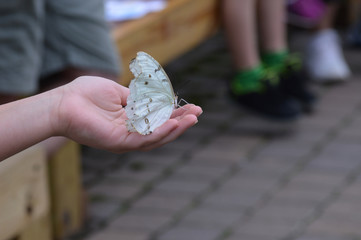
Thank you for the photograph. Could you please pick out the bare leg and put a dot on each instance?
(272, 27)
(239, 20)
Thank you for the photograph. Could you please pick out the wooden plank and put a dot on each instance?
(40, 229)
(66, 190)
(24, 197)
(166, 34)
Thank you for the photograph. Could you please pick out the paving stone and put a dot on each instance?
(161, 160)
(216, 161)
(305, 135)
(231, 142)
(319, 177)
(234, 199)
(269, 167)
(351, 132)
(182, 186)
(204, 216)
(324, 237)
(145, 173)
(336, 163)
(198, 132)
(241, 183)
(200, 172)
(288, 213)
(178, 147)
(239, 236)
(250, 125)
(334, 227)
(117, 235)
(103, 210)
(233, 155)
(348, 151)
(186, 232)
(324, 121)
(260, 229)
(89, 178)
(286, 150)
(214, 119)
(146, 222)
(98, 162)
(115, 190)
(158, 201)
(333, 104)
(353, 191)
(303, 193)
(348, 210)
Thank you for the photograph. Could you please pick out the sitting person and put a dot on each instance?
(268, 80)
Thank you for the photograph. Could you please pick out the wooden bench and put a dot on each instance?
(24, 197)
(41, 198)
(167, 34)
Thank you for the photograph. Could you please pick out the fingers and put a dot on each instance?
(136, 141)
(183, 124)
(182, 119)
(187, 109)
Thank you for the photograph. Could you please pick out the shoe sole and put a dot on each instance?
(249, 112)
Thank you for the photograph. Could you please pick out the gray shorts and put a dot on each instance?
(41, 37)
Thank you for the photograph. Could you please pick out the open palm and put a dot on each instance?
(91, 112)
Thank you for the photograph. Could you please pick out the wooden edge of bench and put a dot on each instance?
(24, 194)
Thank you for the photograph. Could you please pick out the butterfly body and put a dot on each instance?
(151, 100)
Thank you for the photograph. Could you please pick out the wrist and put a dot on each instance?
(56, 111)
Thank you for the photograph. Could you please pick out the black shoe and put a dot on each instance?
(271, 103)
(294, 83)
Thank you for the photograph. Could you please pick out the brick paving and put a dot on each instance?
(234, 176)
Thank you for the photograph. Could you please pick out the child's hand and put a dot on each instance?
(91, 112)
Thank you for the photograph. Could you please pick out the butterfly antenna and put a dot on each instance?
(180, 101)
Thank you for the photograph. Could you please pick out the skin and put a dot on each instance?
(249, 22)
(90, 111)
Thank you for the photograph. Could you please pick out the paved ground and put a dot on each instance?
(233, 176)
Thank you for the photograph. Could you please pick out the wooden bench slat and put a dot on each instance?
(24, 192)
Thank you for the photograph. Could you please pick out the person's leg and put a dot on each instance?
(272, 28)
(251, 87)
(275, 55)
(240, 26)
(324, 57)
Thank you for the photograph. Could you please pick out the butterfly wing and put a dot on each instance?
(146, 64)
(151, 100)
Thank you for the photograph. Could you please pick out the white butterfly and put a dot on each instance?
(151, 100)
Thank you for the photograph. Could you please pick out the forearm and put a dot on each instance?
(26, 122)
